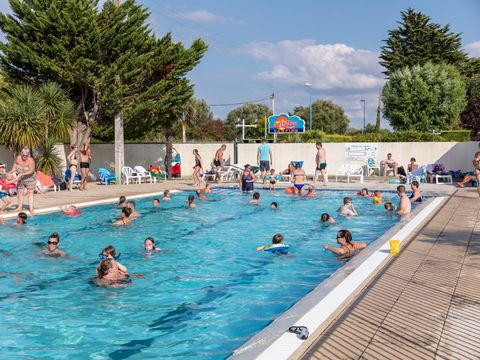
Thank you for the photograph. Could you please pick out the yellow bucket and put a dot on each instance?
(394, 246)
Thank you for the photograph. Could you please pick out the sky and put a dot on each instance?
(259, 47)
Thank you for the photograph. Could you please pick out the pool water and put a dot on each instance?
(202, 296)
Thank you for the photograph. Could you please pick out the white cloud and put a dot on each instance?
(473, 49)
(325, 66)
(203, 16)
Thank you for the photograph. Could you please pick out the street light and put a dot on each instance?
(363, 130)
(310, 91)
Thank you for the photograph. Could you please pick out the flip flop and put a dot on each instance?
(301, 331)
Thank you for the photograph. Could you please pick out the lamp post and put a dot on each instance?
(310, 91)
(363, 130)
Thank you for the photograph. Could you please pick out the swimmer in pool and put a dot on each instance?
(277, 240)
(311, 191)
(108, 274)
(149, 245)
(122, 202)
(52, 246)
(347, 247)
(388, 206)
(274, 205)
(326, 218)
(207, 189)
(131, 205)
(190, 202)
(109, 253)
(347, 209)
(21, 219)
(166, 195)
(125, 217)
(200, 195)
(255, 198)
(364, 193)
(377, 199)
(156, 202)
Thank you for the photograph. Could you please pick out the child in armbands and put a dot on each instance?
(377, 199)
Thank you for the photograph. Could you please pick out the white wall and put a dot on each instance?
(456, 156)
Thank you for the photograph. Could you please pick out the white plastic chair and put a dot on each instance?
(129, 174)
(144, 174)
(342, 172)
(355, 171)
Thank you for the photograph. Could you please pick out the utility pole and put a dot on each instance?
(363, 130)
(273, 113)
(119, 135)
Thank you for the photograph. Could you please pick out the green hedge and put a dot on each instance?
(384, 136)
(456, 135)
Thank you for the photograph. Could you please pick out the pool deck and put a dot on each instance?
(424, 304)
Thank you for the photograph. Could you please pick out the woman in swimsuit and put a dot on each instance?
(85, 158)
(416, 194)
(72, 165)
(25, 167)
(247, 178)
(299, 180)
(197, 168)
(347, 247)
(52, 247)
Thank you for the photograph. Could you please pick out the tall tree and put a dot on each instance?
(97, 55)
(254, 114)
(326, 116)
(166, 90)
(417, 41)
(424, 98)
(379, 112)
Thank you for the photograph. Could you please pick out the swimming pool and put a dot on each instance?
(202, 297)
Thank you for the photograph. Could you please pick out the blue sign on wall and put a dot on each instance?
(284, 124)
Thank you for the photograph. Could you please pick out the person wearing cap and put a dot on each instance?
(25, 167)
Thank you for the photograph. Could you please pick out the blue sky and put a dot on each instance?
(259, 47)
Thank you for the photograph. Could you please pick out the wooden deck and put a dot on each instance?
(425, 304)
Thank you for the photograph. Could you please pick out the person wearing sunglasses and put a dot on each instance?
(52, 246)
(347, 247)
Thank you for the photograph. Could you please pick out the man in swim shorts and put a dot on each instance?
(321, 161)
(218, 161)
(264, 157)
(85, 158)
(404, 205)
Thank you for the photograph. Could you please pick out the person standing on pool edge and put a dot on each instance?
(85, 159)
(264, 157)
(321, 161)
(25, 166)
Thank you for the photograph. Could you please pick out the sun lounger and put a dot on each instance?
(76, 181)
(105, 177)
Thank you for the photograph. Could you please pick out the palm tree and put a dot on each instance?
(59, 111)
(22, 114)
(30, 116)
(48, 161)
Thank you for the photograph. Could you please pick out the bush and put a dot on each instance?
(456, 135)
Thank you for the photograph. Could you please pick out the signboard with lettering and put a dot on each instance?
(361, 151)
(285, 124)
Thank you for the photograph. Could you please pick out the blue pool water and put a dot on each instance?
(201, 298)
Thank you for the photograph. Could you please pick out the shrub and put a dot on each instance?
(456, 135)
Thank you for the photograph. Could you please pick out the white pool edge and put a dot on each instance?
(287, 344)
(53, 209)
